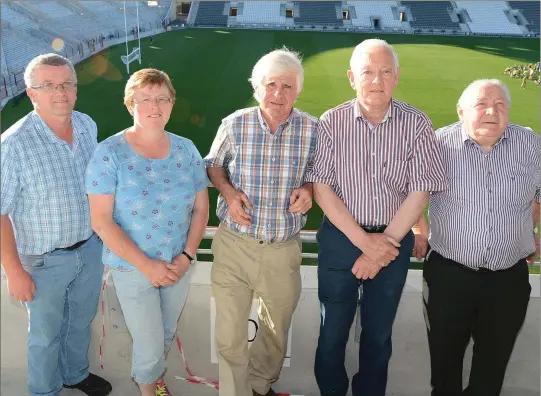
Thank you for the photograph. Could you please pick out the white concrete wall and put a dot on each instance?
(409, 369)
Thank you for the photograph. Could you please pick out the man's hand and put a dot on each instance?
(421, 245)
(20, 285)
(380, 248)
(179, 265)
(158, 274)
(300, 200)
(236, 202)
(364, 268)
(535, 255)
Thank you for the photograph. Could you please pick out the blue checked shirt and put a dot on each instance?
(266, 167)
(43, 183)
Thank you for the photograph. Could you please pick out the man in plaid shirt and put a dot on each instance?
(258, 163)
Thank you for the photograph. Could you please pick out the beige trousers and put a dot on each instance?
(244, 266)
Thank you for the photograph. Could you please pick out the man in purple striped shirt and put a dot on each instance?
(476, 279)
(376, 160)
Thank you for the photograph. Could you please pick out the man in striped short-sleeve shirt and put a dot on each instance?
(376, 160)
(258, 162)
(481, 238)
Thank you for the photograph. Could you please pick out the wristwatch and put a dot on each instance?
(192, 260)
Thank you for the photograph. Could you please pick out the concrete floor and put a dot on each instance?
(409, 368)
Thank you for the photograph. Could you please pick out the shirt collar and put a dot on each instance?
(359, 114)
(281, 127)
(42, 125)
(465, 136)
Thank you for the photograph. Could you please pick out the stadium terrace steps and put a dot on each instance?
(530, 10)
(431, 15)
(318, 13)
(211, 13)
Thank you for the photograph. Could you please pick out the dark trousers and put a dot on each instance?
(461, 303)
(338, 295)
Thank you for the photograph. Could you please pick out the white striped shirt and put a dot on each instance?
(485, 219)
(373, 169)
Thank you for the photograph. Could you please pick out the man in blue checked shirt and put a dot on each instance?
(50, 256)
(258, 162)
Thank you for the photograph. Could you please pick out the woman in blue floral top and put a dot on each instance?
(149, 204)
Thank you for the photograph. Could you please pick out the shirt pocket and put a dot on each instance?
(395, 174)
(517, 187)
(294, 168)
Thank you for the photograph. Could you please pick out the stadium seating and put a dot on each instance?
(211, 13)
(321, 13)
(15, 18)
(530, 10)
(431, 15)
(262, 12)
(53, 9)
(366, 10)
(488, 17)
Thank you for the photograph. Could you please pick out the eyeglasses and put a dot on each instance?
(66, 86)
(162, 100)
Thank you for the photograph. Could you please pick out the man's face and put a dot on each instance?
(277, 95)
(53, 102)
(487, 113)
(374, 78)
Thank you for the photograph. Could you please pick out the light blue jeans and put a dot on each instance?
(65, 303)
(151, 315)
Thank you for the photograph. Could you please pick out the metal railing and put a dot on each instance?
(307, 236)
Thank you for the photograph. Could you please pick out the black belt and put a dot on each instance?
(74, 246)
(374, 229)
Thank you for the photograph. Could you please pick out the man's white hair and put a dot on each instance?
(51, 59)
(470, 93)
(365, 47)
(274, 64)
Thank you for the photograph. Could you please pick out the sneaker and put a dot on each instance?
(161, 389)
(92, 385)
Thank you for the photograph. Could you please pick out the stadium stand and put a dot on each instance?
(431, 15)
(488, 17)
(530, 10)
(322, 13)
(211, 13)
(366, 10)
(262, 12)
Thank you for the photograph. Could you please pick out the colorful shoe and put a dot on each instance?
(161, 389)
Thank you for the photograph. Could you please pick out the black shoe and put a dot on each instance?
(93, 385)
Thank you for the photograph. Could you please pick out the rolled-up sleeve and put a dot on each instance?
(322, 168)
(425, 167)
(11, 185)
(221, 151)
(537, 171)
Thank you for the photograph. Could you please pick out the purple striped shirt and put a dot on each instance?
(484, 218)
(373, 169)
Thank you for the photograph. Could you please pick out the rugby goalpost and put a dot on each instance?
(135, 54)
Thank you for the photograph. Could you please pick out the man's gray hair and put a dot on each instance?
(470, 93)
(365, 47)
(50, 59)
(274, 64)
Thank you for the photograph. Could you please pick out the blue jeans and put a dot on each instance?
(338, 295)
(65, 303)
(151, 315)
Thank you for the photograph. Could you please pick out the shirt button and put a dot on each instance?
(272, 181)
(374, 176)
(489, 190)
(270, 204)
(375, 198)
(274, 159)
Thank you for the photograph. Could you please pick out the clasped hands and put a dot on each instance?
(379, 251)
(161, 273)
